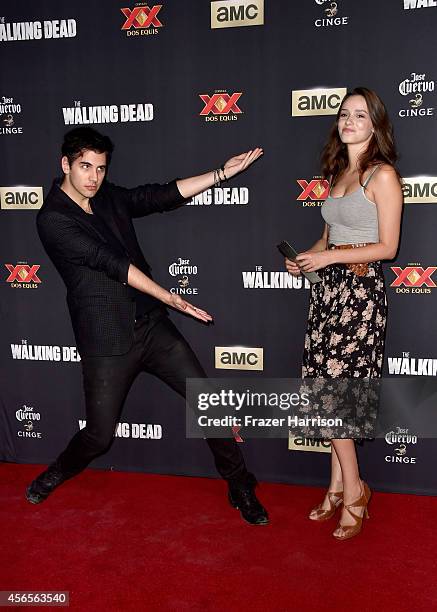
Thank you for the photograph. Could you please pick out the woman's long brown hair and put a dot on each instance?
(381, 147)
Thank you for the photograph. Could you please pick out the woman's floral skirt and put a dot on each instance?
(345, 339)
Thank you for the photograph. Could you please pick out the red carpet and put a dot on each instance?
(129, 541)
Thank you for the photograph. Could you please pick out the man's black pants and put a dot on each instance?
(159, 349)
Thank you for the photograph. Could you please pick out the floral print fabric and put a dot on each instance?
(345, 340)
(346, 324)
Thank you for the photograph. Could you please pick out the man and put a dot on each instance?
(117, 311)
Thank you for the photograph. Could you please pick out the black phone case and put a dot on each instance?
(287, 250)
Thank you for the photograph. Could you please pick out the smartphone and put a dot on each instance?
(287, 251)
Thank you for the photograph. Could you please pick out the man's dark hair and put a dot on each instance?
(86, 139)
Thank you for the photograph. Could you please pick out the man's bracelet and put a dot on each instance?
(217, 178)
(225, 178)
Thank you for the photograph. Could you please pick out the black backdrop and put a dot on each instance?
(170, 66)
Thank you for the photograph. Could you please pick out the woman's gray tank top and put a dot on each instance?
(352, 218)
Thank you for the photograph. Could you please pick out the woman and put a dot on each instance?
(347, 314)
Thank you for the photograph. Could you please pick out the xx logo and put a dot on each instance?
(141, 17)
(317, 189)
(413, 276)
(22, 273)
(237, 437)
(221, 104)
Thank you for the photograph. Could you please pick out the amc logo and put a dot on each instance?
(21, 198)
(316, 101)
(234, 13)
(308, 444)
(420, 190)
(239, 358)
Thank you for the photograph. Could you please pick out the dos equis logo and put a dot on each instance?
(23, 276)
(142, 20)
(221, 106)
(414, 278)
(313, 192)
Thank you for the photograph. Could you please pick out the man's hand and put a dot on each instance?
(178, 303)
(189, 187)
(143, 283)
(240, 162)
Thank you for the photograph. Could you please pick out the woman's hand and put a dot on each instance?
(176, 302)
(292, 267)
(239, 163)
(310, 261)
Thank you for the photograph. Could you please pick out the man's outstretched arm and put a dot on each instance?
(147, 199)
(143, 283)
(190, 187)
(64, 239)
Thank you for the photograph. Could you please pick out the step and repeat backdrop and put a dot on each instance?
(180, 87)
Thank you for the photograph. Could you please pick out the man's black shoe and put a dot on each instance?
(244, 499)
(40, 488)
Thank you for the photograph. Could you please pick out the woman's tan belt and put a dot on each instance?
(360, 269)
